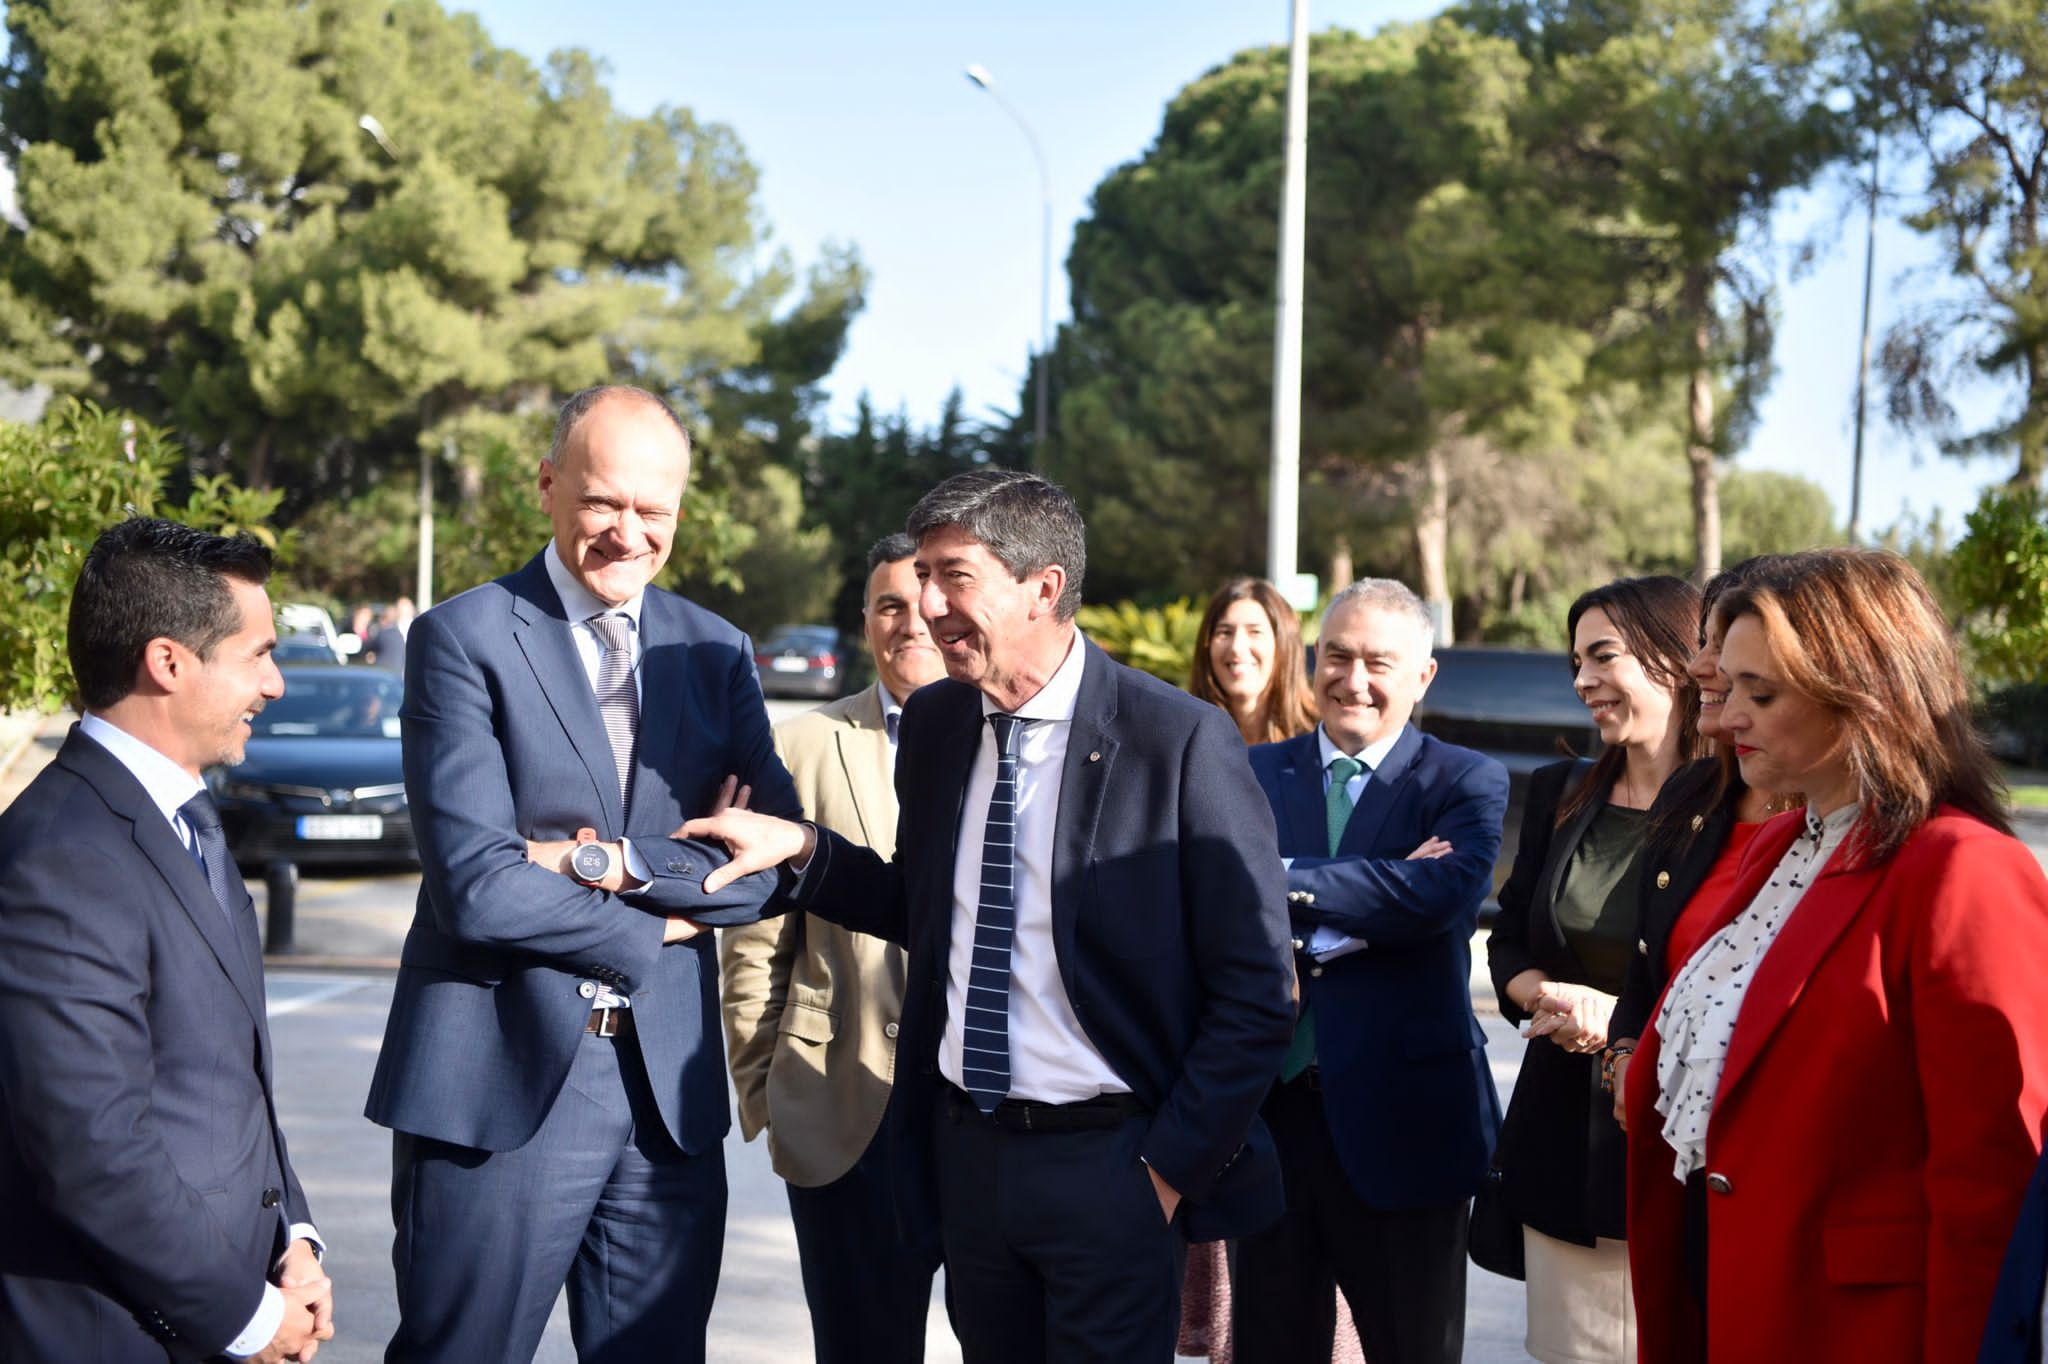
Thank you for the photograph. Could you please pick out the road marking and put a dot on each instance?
(288, 993)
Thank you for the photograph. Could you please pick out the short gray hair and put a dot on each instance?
(580, 404)
(1387, 594)
(1028, 523)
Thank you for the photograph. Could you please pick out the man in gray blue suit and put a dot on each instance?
(551, 1070)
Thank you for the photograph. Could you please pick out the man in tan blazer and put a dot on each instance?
(811, 1014)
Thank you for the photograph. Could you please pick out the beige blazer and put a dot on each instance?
(810, 1008)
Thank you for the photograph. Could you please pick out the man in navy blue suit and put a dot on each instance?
(148, 1207)
(1097, 992)
(551, 1069)
(1385, 1111)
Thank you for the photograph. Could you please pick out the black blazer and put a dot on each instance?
(145, 1191)
(2012, 1335)
(1669, 873)
(1169, 919)
(1561, 1154)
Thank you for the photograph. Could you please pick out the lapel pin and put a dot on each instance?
(1095, 757)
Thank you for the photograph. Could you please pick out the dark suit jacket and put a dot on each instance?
(1561, 1152)
(1168, 911)
(1406, 1086)
(145, 1190)
(1670, 874)
(2013, 1334)
(503, 742)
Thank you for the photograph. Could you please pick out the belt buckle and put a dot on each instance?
(604, 1021)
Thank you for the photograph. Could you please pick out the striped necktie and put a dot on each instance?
(617, 701)
(985, 1060)
(1301, 1053)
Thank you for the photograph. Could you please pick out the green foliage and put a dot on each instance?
(2001, 576)
(784, 574)
(308, 233)
(63, 481)
(1160, 640)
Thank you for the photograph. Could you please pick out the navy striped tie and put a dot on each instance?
(985, 1060)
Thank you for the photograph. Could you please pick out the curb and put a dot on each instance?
(19, 744)
(292, 961)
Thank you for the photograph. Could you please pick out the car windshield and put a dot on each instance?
(340, 705)
(802, 639)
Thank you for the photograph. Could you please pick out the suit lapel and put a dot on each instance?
(1301, 786)
(1563, 844)
(156, 840)
(1829, 906)
(544, 638)
(1362, 831)
(665, 677)
(863, 747)
(1084, 784)
(958, 749)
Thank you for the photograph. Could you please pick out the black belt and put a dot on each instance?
(1029, 1115)
(606, 1022)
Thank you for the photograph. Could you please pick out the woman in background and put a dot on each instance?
(1699, 828)
(1834, 1117)
(1560, 950)
(1250, 661)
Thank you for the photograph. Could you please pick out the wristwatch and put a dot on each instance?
(591, 862)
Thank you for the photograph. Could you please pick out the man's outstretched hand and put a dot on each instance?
(757, 842)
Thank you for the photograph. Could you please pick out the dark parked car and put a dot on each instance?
(1516, 705)
(321, 782)
(303, 648)
(803, 660)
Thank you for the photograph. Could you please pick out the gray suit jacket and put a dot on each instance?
(812, 1009)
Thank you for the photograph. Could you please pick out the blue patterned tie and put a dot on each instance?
(210, 850)
(985, 1059)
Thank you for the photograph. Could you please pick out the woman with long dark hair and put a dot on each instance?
(1249, 660)
(1560, 950)
(1834, 1116)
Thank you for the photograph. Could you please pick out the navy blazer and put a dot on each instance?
(145, 1189)
(1169, 920)
(503, 742)
(1406, 1086)
(2012, 1335)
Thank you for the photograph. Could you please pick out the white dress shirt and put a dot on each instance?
(1326, 943)
(579, 604)
(168, 787)
(1051, 1058)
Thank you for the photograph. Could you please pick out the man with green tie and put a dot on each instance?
(1385, 1111)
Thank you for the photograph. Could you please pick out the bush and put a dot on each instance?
(63, 480)
(1156, 639)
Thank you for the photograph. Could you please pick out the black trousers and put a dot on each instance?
(868, 1253)
(1402, 1272)
(1056, 1252)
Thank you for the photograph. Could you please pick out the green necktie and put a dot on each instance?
(1301, 1053)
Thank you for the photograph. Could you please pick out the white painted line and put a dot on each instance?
(286, 993)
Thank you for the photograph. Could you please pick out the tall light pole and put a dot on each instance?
(1283, 504)
(979, 75)
(1863, 359)
(423, 578)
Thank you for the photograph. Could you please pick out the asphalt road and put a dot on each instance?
(327, 1025)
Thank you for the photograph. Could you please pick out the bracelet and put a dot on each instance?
(1608, 1058)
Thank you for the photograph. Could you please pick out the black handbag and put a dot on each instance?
(1494, 1237)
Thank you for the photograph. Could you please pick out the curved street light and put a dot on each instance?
(979, 76)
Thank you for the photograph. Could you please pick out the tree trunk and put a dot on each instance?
(1699, 440)
(1342, 573)
(2033, 425)
(1432, 537)
(258, 473)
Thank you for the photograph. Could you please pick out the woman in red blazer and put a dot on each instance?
(1834, 1118)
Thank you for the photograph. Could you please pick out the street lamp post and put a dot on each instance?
(979, 75)
(1283, 496)
(423, 579)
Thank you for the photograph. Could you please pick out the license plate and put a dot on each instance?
(368, 827)
(789, 665)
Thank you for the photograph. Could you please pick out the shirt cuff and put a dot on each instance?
(1328, 944)
(798, 874)
(262, 1328)
(306, 1231)
(635, 868)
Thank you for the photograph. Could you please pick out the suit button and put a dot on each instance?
(1315, 970)
(1719, 1183)
(1308, 897)
(889, 1030)
(588, 989)
(1699, 822)
(1642, 948)
(1663, 879)
(271, 1198)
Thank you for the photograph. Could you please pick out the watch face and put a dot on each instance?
(590, 861)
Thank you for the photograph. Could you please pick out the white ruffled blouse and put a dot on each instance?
(1697, 1021)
